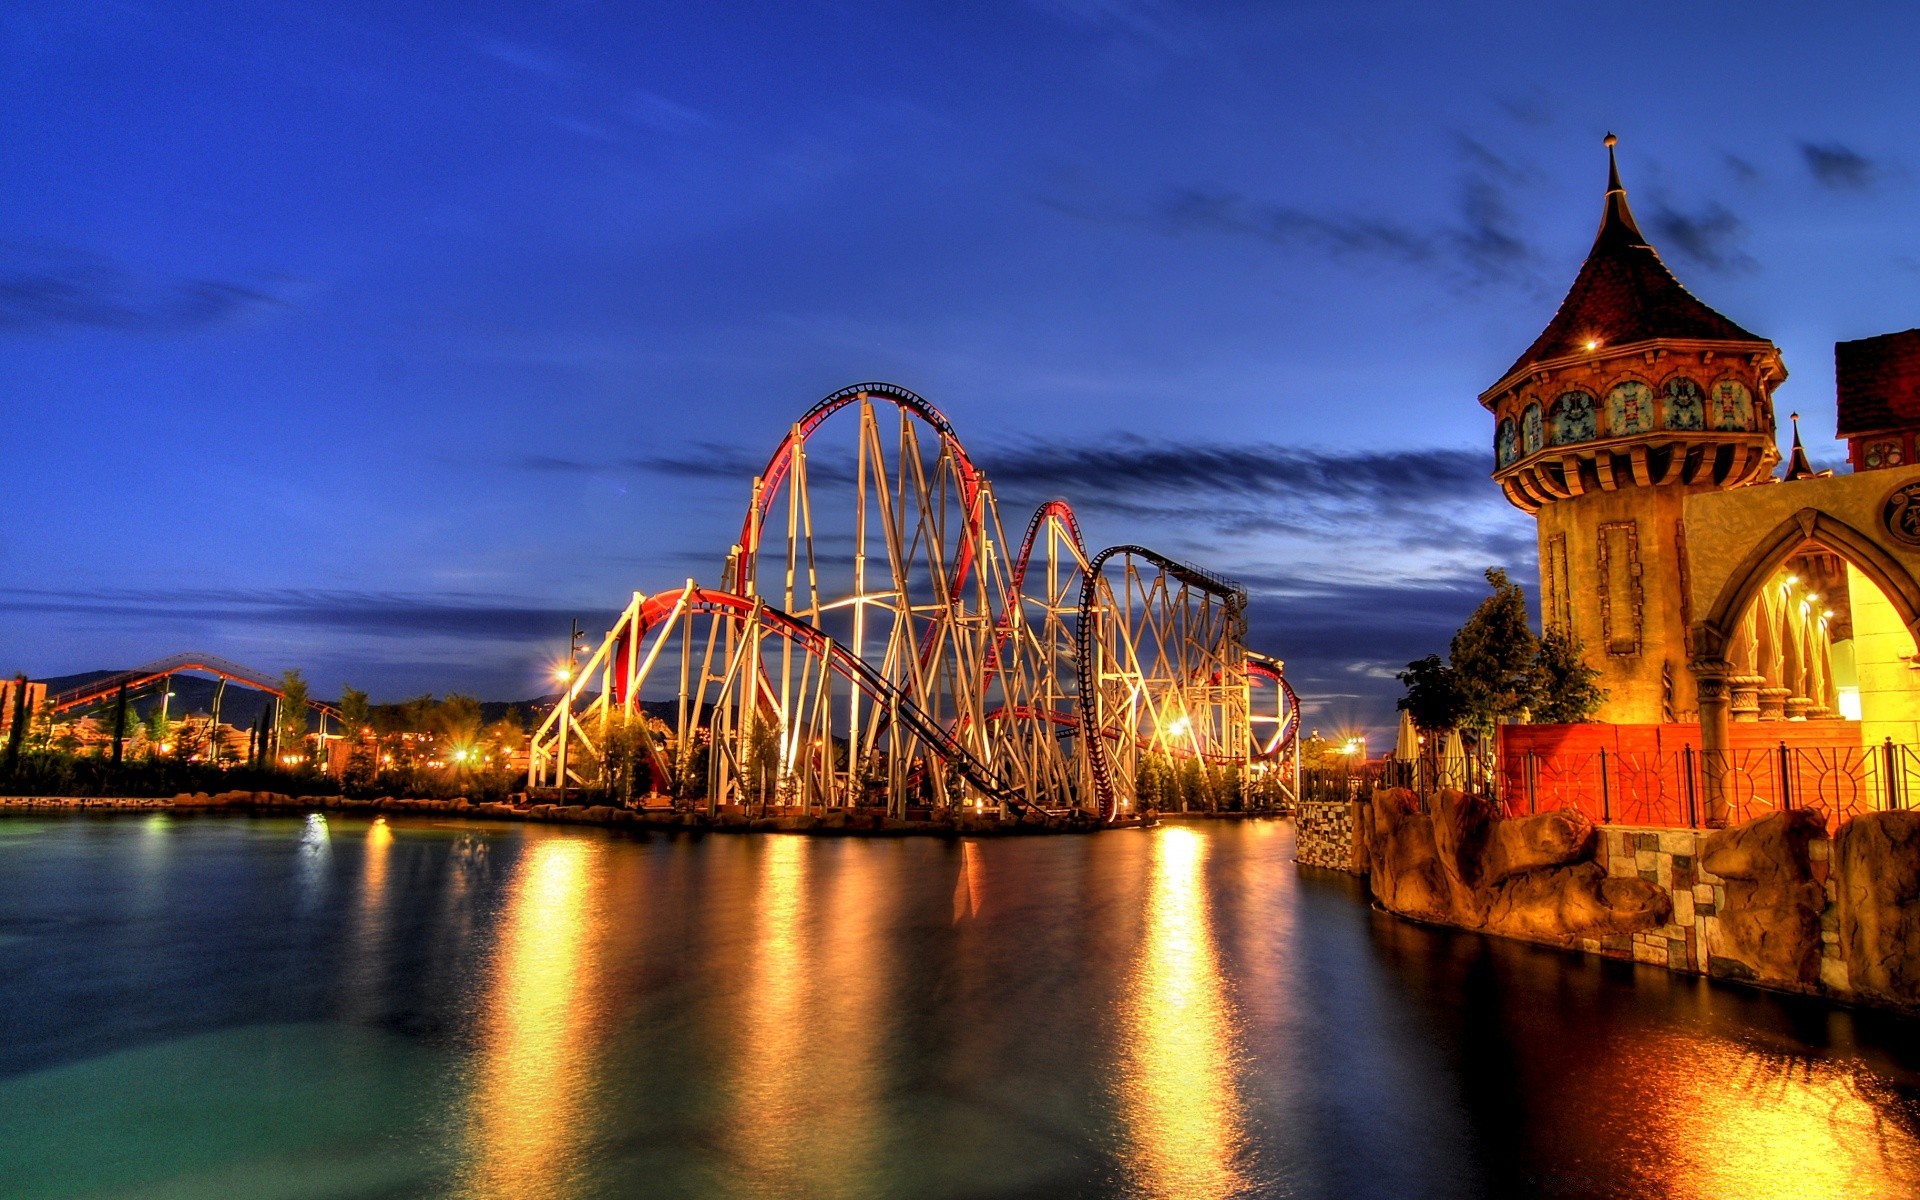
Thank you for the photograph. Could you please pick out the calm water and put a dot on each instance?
(316, 1007)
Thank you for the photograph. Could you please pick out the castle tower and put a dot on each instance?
(1635, 396)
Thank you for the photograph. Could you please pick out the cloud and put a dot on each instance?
(1131, 465)
(1840, 168)
(1370, 511)
(1741, 169)
(1480, 245)
(385, 614)
(1709, 237)
(702, 460)
(662, 115)
(522, 57)
(1147, 20)
(55, 287)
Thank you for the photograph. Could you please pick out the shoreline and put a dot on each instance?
(835, 823)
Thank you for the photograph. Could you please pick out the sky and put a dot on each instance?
(381, 340)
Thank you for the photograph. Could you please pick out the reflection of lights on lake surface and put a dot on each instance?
(774, 1107)
(806, 1078)
(1182, 1113)
(527, 1114)
(316, 858)
(1737, 1121)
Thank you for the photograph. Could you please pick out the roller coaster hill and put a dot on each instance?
(873, 643)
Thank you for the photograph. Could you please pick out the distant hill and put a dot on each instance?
(241, 706)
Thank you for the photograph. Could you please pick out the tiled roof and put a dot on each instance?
(1878, 382)
(1625, 294)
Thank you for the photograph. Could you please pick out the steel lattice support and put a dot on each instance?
(871, 643)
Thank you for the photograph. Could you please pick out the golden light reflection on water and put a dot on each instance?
(771, 1084)
(527, 1112)
(1179, 1104)
(379, 846)
(1735, 1121)
(806, 1076)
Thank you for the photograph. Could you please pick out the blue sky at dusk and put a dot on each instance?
(380, 340)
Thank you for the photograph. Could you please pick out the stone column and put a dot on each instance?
(1746, 679)
(1710, 675)
(1771, 695)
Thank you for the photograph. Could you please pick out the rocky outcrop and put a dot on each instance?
(1769, 928)
(1876, 861)
(1456, 861)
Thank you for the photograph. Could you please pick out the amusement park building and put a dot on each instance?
(1639, 430)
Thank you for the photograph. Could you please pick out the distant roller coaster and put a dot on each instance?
(871, 642)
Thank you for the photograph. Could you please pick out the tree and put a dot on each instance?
(761, 770)
(292, 733)
(355, 712)
(457, 719)
(157, 728)
(1433, 698)
(1564, 691)
(1492, 656)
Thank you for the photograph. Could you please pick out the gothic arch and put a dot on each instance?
(1744, 582)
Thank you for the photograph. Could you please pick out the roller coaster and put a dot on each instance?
(872, 643)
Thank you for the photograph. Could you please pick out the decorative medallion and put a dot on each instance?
(1731, 406)
(1506, 445)
(1901, 514)
(1574, 419)
(1882, 453)
(1629, 408)
(1686, 408)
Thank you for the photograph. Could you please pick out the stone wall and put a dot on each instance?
(1324, 835)
(1773, 902)
(1671, 858)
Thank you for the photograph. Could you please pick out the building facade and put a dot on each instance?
(1639, 430)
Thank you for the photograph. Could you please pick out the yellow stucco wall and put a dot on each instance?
(1723, 527)
(1883, 650)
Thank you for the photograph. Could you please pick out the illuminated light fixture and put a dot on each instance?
(1179, 727)
(563, 673)
(1593, 344)
(1792, 579)
(1828, 614)
(1813, 597)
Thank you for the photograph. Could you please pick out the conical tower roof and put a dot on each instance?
(1625, 294)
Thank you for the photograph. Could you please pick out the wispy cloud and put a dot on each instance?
(1481, 245)
(524, 57)
(395, 614)
(1710, 237)
(62, 287)
(1741, 169)
(1155, 21)
(662, 115)
(1840, 168)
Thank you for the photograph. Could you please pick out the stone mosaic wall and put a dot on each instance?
(1671, 859)
(1324, 835)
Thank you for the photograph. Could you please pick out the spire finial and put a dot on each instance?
(1797, 465)
(1613, 167)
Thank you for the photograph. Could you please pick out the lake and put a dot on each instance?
(323, 1006)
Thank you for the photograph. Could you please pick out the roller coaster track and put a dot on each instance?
(104, 688)
(888, 633)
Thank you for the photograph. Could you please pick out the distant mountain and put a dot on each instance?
(241, 705)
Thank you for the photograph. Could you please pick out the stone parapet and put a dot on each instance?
(1324, 835)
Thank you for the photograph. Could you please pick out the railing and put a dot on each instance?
(1669, 789)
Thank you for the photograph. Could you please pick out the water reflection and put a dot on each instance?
(315, 861)
(966, 884)
(1746, 1123)
(806, 1079)
(1179, 1104)
(527, 1112)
